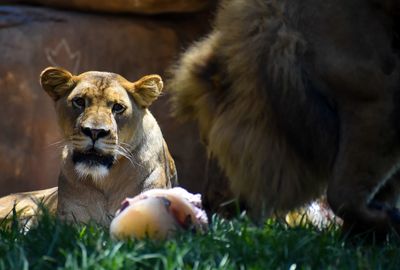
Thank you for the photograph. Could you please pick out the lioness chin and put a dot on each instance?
(114, 147)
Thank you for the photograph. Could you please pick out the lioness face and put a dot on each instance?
(96, 112)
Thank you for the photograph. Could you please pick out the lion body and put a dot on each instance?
(114, 147)
(295, 97)
(27, 204)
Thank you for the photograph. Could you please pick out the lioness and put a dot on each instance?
(294, 97)
(114, 147)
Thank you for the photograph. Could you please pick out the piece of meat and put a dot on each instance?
(158, 213)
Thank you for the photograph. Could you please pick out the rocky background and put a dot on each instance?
(129, 37)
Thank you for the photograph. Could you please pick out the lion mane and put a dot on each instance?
(294, 98)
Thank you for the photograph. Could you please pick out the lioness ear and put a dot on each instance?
(147, 89)
(56, 82)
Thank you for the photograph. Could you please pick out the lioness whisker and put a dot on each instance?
(60, 144)
(128, 154)
(125, 144)
(124, 152)
(62, 141)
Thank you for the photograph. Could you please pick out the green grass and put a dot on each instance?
(235, 244)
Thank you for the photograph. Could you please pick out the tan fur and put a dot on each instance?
(290, 107)
(26, 204)
(137, 155)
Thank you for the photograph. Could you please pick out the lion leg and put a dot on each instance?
(368, 157)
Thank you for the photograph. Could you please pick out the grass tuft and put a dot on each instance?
(235, 244)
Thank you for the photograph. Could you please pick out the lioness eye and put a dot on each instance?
(118, 108)
(79, 102)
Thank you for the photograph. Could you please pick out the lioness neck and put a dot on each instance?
(87, 198)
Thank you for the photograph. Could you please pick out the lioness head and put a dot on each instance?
(99, 113)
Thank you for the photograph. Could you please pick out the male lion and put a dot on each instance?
(294, 97)
(113, 145)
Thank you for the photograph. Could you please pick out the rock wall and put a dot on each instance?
(126, 6)
(32, 38)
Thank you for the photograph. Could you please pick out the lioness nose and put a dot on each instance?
(94, 133)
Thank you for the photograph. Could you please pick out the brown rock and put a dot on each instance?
(34, 38)
(127, 6)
